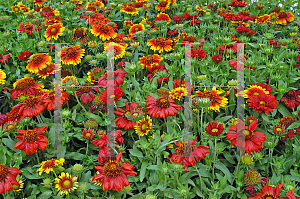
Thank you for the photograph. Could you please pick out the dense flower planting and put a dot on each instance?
(149, 99)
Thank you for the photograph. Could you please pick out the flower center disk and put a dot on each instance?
(30, 136)
(162, 102)
(113, 169)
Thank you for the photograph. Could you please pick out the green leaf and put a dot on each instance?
(224, 169)
(223, 182)
(8, 142)
(86, 177)
(283, 110)
(96, 117)
(294, 125)
(135, 83)
(136, 153)
(2, 155)
(152, 167)
(229, 157)
(265, 117)
(46, 194)
(143, 171)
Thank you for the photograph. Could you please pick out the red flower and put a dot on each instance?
(24, 55)
(8, 178)
(50, 102)
(113, 174)
(3, 119)
(262, 103)
(153, 70)
(28, 28)
(31, 140)
(217, 58)
(122, 64)
(85, 93)
(198, 53)
(290, 195)
(214, 129)
(188, 153)
(25, 86)
(4, 58)
(253, 139)
(31, 106)
(268, 192)
(161, 107)
(88, 134)
(260, 6)
(118, 92)
(177, 19)
(122, 121)
(118, 78)
(291, 98)
(250, 119)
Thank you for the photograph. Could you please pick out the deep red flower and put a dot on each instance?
(268, 192)
(233, 63)
(25, 86)
(31, 106)
(161, 107)
(28, 28)
(50, 102)
(85, 93)
(188, 153)
(217, 58)
(177, 19)
(153, 70)
(31, 140)
(214, 129)
(122, 64)
(8, 178)
(198, 53)
(290, 195)
(4, 58)
(291, 98)
(253, 139)
(118, 92)
(262, 103)
(3, 119)
(251, 119)
(118, 78)
(113, 174)
(122, 121)
(24, 55)
(260, 6)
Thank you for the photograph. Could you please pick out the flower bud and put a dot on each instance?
(47, 181)
(77, 167)
(88, 57)
(128, 54)
(92, 44)
(83, 187)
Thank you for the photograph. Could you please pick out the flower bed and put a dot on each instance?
(149, 99)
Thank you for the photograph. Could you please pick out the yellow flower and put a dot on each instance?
(2, 77)
(247, 159)
(47, 166)
(65, 183)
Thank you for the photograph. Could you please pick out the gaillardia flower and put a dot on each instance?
(129, 9)
(161, 107)
(38, 62)
(262, 103)
(113, 174)
(104, 31)
(136, 28)
(8, 178)
(31, 140)
(31, 106)
(291, 98)
(2, 77)
(25, 86)
(268, 192)
(72, 55)
(214, 129)
(47, 166)
(144, 126)
(53, 31)
(65, 183)
(284, 17)
(160, 44)
(149, 61)
(188, 153)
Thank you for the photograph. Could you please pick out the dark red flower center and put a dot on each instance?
(130, 9)
(163, 4)
(162, 102)
(30, 136)
(282, 14)
(85, 88)
(79, 33)
(51, 96)
(185, 149)
(149, 60)
(292, 94)
(71, 52)
(49, 164)
(269, 196)
(163, 93)
(3, 172)
(248, 134)
(67, 184)
(31, 101)
(160, 42)
(191, 38)
(109, 75)
(37, 59)
(25, 84)
(46, 9)
(103, 28)
(252, 177)
(29, 27)
(287, 120)
(113, 169)
(92, 8)
(245, 13)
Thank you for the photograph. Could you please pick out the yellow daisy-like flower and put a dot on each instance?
(144, 126)
(104, 31)
(20, 185)
(255, 90)
(119, 50)
(247, 159)
(160, 44)
(177, 93)
(47, 166)
(65, 183)
(200, 9)
(53, 31)
(217, 101)
(262, 19)
(2, 77)
(129, 9)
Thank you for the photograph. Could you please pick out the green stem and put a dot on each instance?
(199, 177)
(237, 171)
(87, 148)
(37, 157)
(213, 170)
(137, 128)
(79, 102)
(201, 137)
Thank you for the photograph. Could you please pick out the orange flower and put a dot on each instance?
(129, 9)
(38, 62)
(50, 102)
(25, 86)
(39, 3)
(163, 5)
(162, 17)
(31, 140)
(149, 61)
(31, 106)
(160, 44)
(8, 178)
(72, 55)
(283, 17)
(262, 19)
(119, 50)
(105, 32)
(128, 24)
(80, 34)
(53, 31)
(136, 28)
(46, 71)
